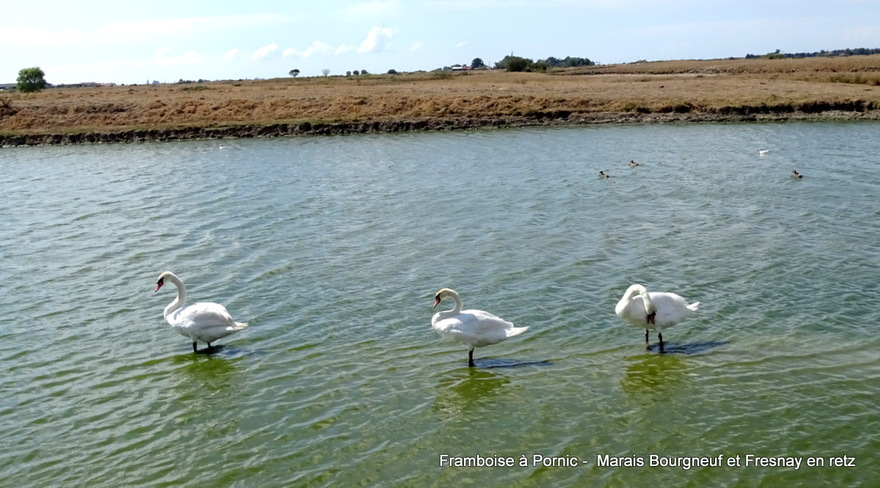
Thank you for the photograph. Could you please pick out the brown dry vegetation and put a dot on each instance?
(738, 89)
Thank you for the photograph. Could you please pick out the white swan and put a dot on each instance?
(655, 310)
(474, 328)
(203, 321)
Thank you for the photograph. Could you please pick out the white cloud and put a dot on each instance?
(343, 48)
(376, 40)
(264, 51)
(232, 54)
(415, 46)
(462, 44)
(317, 47)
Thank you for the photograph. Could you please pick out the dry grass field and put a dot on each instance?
(707, 90)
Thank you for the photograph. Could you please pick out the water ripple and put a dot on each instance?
(331, 248)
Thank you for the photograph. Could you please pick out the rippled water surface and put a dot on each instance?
(332, 249)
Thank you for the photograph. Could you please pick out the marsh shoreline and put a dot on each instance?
(664, 92)
(247, 131)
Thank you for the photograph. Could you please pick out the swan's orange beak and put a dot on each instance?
(651, 317)
(436, 301)
(159, 285)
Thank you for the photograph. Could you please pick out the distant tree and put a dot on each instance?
(356, 72)
(514, 63)
(326, 71)
(294, 72)
(392, 71)
(348, 73)
(31, 80)
(477, 63)
(364, 72)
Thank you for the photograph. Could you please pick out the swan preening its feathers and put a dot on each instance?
(474, 328)
(203, 321)
(655, 310)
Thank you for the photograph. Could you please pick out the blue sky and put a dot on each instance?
(133, 42)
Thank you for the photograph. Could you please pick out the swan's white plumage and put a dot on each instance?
(202, 321)
(473, 328)
(669, 309)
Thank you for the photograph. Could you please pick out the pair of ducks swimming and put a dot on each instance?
(208, 321)
(603, 174)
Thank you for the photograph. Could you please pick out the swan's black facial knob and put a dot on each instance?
(160, 283)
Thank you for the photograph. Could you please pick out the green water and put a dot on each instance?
(332, 249)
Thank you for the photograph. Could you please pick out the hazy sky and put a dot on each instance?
(133, 42)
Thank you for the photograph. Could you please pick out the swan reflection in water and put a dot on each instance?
(464, 389)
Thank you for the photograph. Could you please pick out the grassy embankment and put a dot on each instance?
(711, 90)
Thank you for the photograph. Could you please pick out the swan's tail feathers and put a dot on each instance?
(694, 306)
(240, 325)
(516, 331)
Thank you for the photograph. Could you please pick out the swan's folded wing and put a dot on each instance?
(204, 314)
(483, 328)
(671, 308)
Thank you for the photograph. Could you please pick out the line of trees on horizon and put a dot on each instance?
(516, 63)
(860, 51)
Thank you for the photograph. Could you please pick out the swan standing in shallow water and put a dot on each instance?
(655, 310)
(203, 321)
(474, 328)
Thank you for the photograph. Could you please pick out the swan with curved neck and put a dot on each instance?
(203, 321)
(473, 328)
(655, 310)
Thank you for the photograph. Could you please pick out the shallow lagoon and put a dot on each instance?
(332, 249)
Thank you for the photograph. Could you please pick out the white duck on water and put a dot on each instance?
(203, 321)
(474, 328)
(655, 310)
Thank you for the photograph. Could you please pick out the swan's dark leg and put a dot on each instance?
(646, 338)
(194, 347)
(661, 341)
(471, 359)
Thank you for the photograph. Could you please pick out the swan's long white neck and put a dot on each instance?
(455, 310)
(181, 295)
(646, 297)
